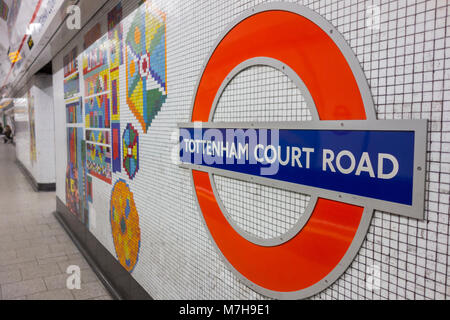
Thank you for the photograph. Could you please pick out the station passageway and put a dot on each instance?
(35, 251)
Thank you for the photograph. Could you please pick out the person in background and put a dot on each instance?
(1, 129)
(8, 135)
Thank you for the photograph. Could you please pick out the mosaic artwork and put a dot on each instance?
(95, 58)
(95, 67)
(145, 57)
(70, 62)
(76, 178)
(75, 172)
(115, 111)
(97, 114)
(115, 35)
(89, 189)
(96, 83)
(72, 195)
(130, 142)
(97, 136)
(83, 178)
(74, 112)
(125, 228)
(98, 162)
(71, 86)
(115, 131)
(31, 119)
(74, 146)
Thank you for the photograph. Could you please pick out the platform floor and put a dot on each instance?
(35, 251)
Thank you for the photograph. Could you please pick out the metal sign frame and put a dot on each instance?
(419, 127)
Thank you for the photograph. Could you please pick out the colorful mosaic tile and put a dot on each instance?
(95, 58)
(31, 118)
(125, 228)
(98, 136)
(97, 114)
(130, 142)
(115, 35)
(115, 110)
(115, 130)
(145, 56)
(72, 195)
(71, 86)
(75, 172)
(74, 112)
(96, 83)
(98, 162)
(89, 189)
(70, 62)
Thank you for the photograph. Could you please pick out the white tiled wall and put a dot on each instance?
(22, 131)
(43, 167)
(404, 54)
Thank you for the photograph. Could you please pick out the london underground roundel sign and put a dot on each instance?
(346, 160)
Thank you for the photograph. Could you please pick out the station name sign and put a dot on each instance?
(353, 158)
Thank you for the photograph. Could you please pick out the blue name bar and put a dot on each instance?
(369, 163)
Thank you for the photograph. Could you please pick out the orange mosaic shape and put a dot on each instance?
(125, 225)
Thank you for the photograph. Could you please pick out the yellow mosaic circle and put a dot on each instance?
(125, 225)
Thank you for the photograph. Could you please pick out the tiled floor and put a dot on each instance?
(35, 251)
